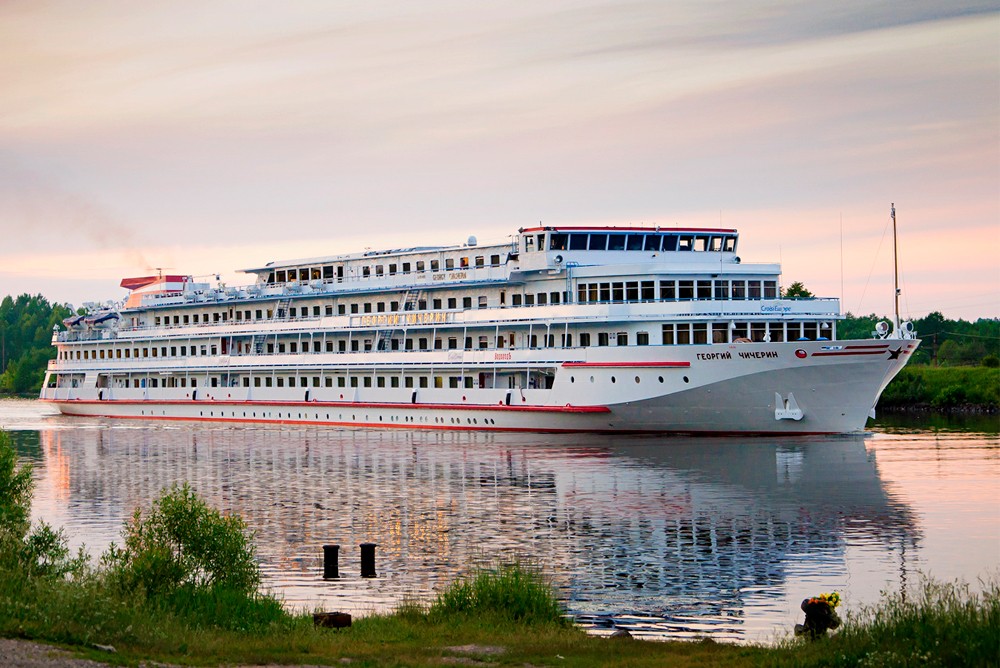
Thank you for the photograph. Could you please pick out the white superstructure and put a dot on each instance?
(559, 328)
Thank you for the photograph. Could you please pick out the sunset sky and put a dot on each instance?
(208, 136)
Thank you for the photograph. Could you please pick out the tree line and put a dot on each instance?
(26, 323)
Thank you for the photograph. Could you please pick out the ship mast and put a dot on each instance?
(895, 272)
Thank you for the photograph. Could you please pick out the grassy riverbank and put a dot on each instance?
(942, 625)
(943, 388)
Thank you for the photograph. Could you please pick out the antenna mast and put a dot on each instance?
(895, 270)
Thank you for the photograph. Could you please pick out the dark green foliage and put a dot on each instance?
(943, 387)
(184, 544)
(26, 341)
(796, 291)
(511, 592)
(27, 552)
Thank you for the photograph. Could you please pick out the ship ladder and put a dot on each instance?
(281, 309)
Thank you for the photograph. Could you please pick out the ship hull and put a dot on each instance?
(805, 387)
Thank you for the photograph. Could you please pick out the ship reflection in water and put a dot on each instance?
(667, 537)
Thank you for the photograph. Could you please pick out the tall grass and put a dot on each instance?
(513, 592)
(937, 624)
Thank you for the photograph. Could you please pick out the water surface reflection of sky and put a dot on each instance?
(665, 536)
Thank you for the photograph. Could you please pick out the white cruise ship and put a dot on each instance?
(557, 329)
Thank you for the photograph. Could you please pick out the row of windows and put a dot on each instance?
(362, 380)
(330, 272)
(671, 290)
(612, 291)
(632, 241)
(672, 334)
(757, 332)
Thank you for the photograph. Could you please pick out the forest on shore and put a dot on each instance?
(939, 376)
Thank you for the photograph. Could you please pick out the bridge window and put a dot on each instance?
(598, 242)
(558, 241)
(578, 242)
(635, 242)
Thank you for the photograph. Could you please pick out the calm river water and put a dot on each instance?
(668, 537)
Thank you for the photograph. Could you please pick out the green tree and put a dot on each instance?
(796, 291)
(26, 324)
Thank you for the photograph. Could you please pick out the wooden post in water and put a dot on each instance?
(331, 568)
(368, 560)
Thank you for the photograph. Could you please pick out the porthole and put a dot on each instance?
(572, 379)
(661, 379)
(637, 379)
(613, 379)
(591, 379)
(686, 379)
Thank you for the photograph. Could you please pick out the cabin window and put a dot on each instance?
(685, 243)
(622, 339)
(435, 265)
(739, 289)
(542, 298)
(700, 243)
(482, 301)
(730, 244)
(515, 300)
(378, 270)
(420, 265)
(366, 272)
(392, 269)
(529, 244)
(616, 242)
(642, 338)
(480, 261)
(704, 289)
(558, 241)
(770, 290)
(466, 302)
(380, 307)
(495, 260)
(578, 242)
(368, 307)
(452, 302)
(328, 310)
(652, 242)
(529, 300)
(715, 244)
(635, 242)
(406, 267)
(280, 276)
(449, 263)
(393, 306)
(422, 343)
(753, 289)
(463, 263)
(585, 339)
(699, 332)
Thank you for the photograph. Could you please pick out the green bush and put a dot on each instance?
(27, 552)
(511, 592)
(184, 544)
(991, 362)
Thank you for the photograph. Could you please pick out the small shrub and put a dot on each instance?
(953, 395)
(184, 544)
(25, 551)
(511, 592)
(991, 362)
